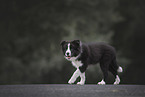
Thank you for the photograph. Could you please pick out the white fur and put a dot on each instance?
(83, 79)
(117, 80)
(75, 75)
(68, 50)
(102, 82)
(120, 69)
(76, 63)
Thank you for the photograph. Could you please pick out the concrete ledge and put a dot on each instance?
(64, 90)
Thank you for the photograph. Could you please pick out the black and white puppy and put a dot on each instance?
(82, 55)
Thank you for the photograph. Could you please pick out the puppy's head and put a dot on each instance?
(71, 49)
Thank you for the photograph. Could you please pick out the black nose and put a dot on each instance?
(67, 54)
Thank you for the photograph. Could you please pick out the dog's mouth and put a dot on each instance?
(68, 57)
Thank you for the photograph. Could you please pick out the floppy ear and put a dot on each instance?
(77, 42)
(62, 42)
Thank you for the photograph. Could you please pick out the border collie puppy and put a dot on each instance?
(82, 55)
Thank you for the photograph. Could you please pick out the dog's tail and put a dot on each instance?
(119, 69)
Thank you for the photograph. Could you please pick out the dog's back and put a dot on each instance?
(93, 52)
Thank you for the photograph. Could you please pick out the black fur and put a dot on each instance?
(93, 53)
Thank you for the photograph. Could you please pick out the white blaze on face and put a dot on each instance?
(68, 51)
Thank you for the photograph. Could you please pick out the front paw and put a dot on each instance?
(70, 81)
(80, 83)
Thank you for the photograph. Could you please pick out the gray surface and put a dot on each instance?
(52, 90)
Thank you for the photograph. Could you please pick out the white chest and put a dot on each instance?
(77, 64)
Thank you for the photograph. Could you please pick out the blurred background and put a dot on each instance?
(31, 32)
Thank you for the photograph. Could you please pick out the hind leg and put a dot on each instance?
(105, 74)
(104, 64)
(113, 69)
(117, 80)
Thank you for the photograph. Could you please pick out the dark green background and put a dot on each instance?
(31, 32)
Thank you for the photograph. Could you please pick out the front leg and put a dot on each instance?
(82, 74)
(83, 79)
(75, 75)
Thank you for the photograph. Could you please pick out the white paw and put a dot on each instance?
(117, 80)
(80, 83)
(70, 82)
(101, 83)
(116, 83)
